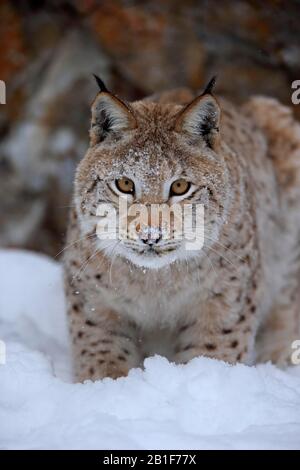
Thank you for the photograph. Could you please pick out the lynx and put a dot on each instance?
(236, 299)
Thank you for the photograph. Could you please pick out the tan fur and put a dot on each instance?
(243, 284)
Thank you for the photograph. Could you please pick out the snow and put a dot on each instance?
(205, 404)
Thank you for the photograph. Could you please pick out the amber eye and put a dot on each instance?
(125, 185)
(179, 187)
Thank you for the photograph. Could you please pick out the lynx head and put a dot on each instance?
(151, 155)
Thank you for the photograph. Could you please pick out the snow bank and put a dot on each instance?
(204, 405)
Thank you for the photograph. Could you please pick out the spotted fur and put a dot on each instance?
(242, 286)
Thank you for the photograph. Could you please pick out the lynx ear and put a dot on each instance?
(201, 118)
(109, 114)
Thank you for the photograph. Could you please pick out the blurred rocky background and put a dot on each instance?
(49, 50)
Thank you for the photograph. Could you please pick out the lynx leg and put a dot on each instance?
(106, 348)
(281, 329)
(231, 341)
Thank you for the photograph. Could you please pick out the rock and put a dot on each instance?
(49, 51)
(49, 139)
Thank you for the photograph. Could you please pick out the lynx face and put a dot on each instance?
(150, 154)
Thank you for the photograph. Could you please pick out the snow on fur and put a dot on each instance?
(203, 405)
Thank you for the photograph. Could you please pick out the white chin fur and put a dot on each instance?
(150, 261)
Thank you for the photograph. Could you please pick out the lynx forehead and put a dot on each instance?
(147, 293)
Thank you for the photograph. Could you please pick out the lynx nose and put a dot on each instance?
(150, 235)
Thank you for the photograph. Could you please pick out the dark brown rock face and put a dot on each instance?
(50, 49)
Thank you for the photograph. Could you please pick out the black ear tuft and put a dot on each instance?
(209, 87)
(100, 84)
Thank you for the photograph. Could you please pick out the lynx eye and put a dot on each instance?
(179, 187)
(125, 185)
